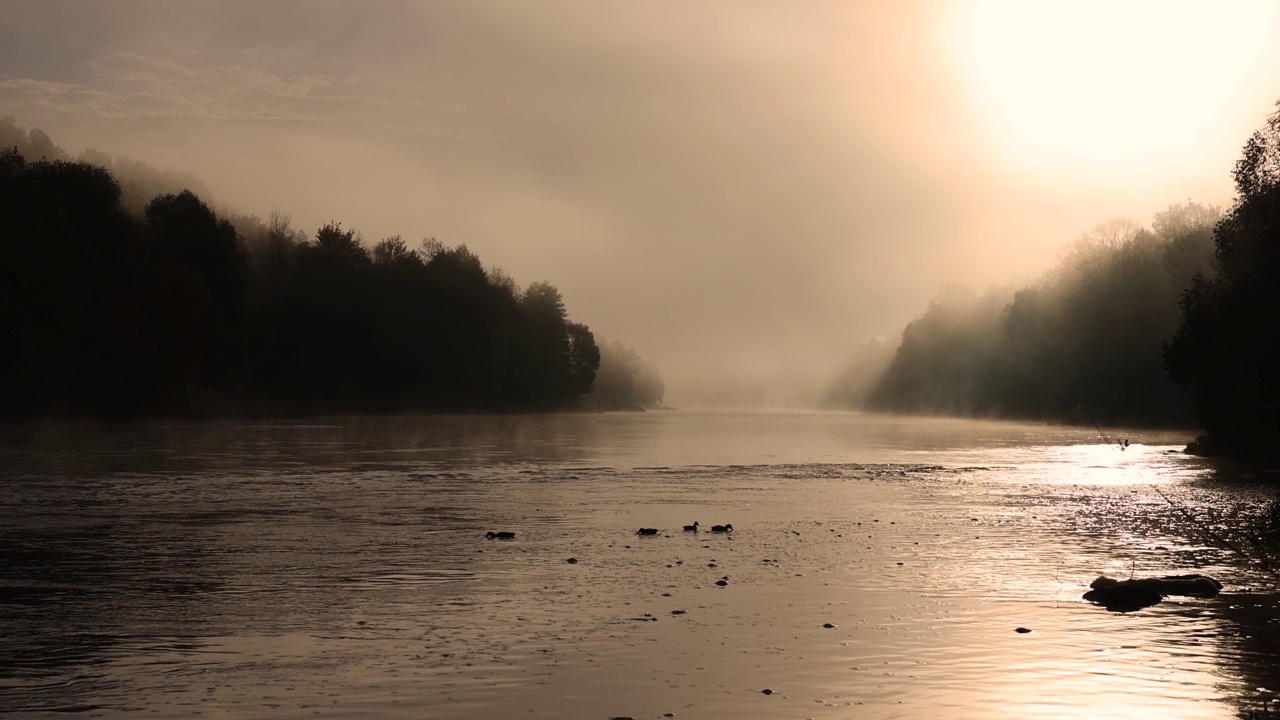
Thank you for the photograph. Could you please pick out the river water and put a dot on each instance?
(339, 568)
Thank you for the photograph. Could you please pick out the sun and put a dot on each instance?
(1105, 83)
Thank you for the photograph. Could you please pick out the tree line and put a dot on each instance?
(1176, 324)
(175, 310)
(1081, 345)
(1226, 350)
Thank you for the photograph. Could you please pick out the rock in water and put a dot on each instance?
(1127, 598)
(1135, 594)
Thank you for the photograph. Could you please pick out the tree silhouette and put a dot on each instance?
(1227, 347)
(177, 311)
(624, 380)
(195, 295)
(67, 266)
(1084, 343)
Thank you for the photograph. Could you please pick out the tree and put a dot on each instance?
(583, 360)
(340, 247)
(543, 373)
(109, 309)
(196, 299)
(187, 232)
(393, 252)
(67, 259)
(624, 381)
(1227, 348)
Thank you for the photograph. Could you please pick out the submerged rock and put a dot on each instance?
(1135, 594)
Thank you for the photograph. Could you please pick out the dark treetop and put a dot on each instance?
(107, 313)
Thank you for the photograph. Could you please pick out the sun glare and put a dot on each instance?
(1105, 83)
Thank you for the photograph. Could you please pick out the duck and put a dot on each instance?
(692, 528)
(500, 535)
(727, 527)
(647, 531)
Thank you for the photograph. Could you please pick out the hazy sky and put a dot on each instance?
(736, 189)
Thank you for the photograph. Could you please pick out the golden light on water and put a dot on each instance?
(1108, 83)
(879, 567)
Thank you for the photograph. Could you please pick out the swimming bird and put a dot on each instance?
(647, 531)
(691, 528)
(500, 535)
(727, 527)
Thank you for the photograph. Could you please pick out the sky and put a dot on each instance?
(742, 191)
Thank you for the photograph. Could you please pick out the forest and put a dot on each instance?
(1226, 350)
(119, 303)
(1176, 324)
(1083, 344)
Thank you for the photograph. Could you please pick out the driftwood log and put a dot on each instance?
(1135, 594)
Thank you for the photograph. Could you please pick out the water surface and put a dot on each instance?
(339, 568)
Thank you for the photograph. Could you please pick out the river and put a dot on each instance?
(339, 568)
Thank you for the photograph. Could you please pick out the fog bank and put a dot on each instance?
(742, 192)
